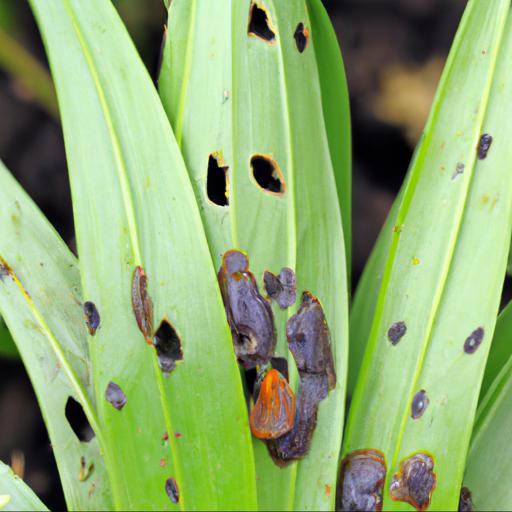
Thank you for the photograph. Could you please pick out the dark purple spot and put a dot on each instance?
(465, 500)
(115, 395)
(92, 317)
(415, 482)
(419, 404)
(396, 332)
(171, 488)
(267, 174)
(362, 477)
(217, 181)
(142, 304)
(78, 420)
(259, 24)
(281, 288)
(474, 340)
(301, 37)
(168, 347)
(483, 145)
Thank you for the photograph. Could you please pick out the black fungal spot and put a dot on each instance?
(415, 482)
(267, 174)
(396, 332)
(474, 340)
(78, 420)
(115, 395)
(301, 37)
(259, 24)
(362, 477)
(171, 488)
(484, 145)
(465, 500)
(281, 365)
(459, 169)
(217, 181)
(168, 347)
(92, 317)
(419, 404)
(281, 288)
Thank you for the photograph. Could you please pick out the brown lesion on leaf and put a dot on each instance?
(301, 36)
(267, 174)
(85, 469)
(260, 23)
(168, 347)
(281, 288)
(217, 180)
(142, 304)
(92, 317)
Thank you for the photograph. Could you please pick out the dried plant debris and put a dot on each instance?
(419, 404)
(301, 37)
(465, 500)
(484, 144)
(273, 413)
(142, 304)
(362, 477)
(415, 482)
(260, 24)
(115, 395)
(281, 288)
(92, 317)
(474, 340)
(396, 332)
(168, 347)
(172, 490)
(309, 342)
(249, 314)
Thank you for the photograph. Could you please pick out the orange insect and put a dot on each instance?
(273, 413)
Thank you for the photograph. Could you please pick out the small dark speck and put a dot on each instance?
(459, 169)
(474, 340)
(171, 488)
(396, 332)
(419, 404)
(115, 395)
(483, 145)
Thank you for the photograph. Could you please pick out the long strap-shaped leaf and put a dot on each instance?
(40, 301)
(134, 206)
(15, 494)
(233, 95)
(429, 319)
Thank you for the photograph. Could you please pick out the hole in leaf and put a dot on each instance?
(260, 25)
(301, 37)
(217, 181)
(267, 174)
(168, 347)
(78, 420)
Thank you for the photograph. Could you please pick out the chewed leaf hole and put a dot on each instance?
(267, 174)
(168, 347)
(78, 420)
(301, 36)
(259, 23)
(217, 181)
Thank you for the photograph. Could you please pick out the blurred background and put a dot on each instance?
(394, 52)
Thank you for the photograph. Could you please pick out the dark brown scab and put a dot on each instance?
(168, 347)
(301, 37)
(142, 304)
(415, 482)
(249, 315)
(419, 404)
(172, 490)
(92, 317)
(217, 182)
(259, 23)
(474, 340)
(396, 332)
(362, 477)
(281, 288)
(267, 174)
(465, 500)
(484, 144)
(115, 395)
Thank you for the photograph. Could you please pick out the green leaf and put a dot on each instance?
(233, 96)
(440, 277)
(7, 345)
(15, 494)
(133, 206)
(40, 302)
